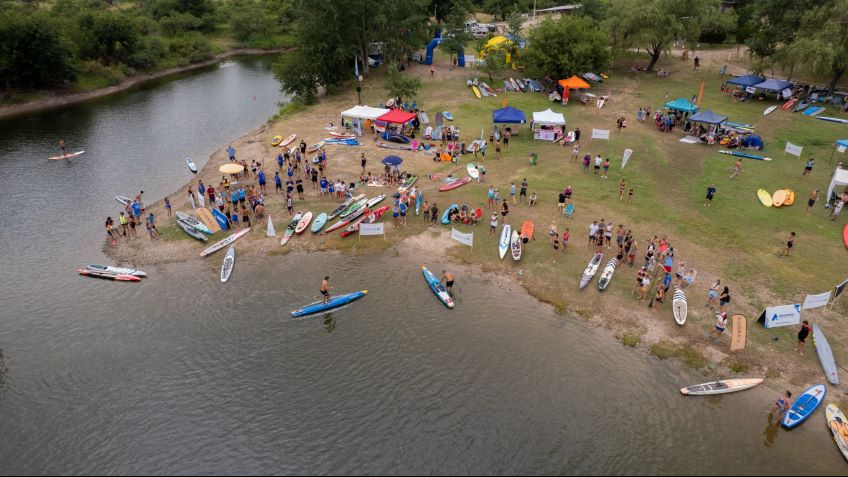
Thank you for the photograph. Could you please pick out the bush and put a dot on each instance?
(152, 50)
(97, 75)
(177, 23)
(32, 52)
(191, 46)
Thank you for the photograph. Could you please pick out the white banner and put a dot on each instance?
(371, 229)
(600, 133)
(751, 89)
(815, 301)
(793, 149)
(465, 239)
(783, 315)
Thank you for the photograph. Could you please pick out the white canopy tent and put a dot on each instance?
(548, 125)
(357, 114)
(840, 178)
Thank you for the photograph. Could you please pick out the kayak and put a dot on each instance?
(276, 140)
(191, 165)
(344, 205)
(454, 184)
(446, 214)
(315, 147)
(111, 276)
(223, 243)
(334, 302)
(804, 406)
(607, 274)
(437, 287)
(96, 267)
(720, 387)
(319, 223)
(67, 156)
(189, 220)
(287, 235)
(789, 103)
(839, 427)
(504, 243)
(303, 223)
(591, 269)
(191, 231)
(227, 266)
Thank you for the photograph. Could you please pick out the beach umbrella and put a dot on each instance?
(392, 161)
(231, 168)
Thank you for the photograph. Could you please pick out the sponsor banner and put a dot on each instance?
(816, 301)
(783, 315)
(750, 89)
(793, 149)
(463, 238)
(839, 288)
(371, 229)
(600, 133)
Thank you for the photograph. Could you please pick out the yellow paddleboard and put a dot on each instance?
(764, 197)
(790, 197)
(276, 140)
(476, 91)
(778, 198)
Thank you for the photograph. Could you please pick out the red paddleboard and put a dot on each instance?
(845, 235)
(455, 184)
(789, 103)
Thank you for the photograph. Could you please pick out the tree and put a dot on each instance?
(567, 46)
(454, 34)
(502, 8)
(514, 24)
(250, 20)
(776, 24)
(656, 24)
(399, 85)
(594, 9)
(495, 62)
(821, 42)
(32, 52)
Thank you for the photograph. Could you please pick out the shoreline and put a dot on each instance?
(52, 101)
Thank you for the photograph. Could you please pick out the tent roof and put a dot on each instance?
(509, 115)
(682, 104)
(397, 116)
(548, 117)
(708, 117)
(746, 80)
(773, 85)
(840, 178)
(497, 42)
(574, 83)
(842, 142)
(364, 112)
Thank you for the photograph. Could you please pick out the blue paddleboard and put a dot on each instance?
(319, 223)
(334, 302)
(446, 214)
(437, 287)
(220, 218)
(804, 406)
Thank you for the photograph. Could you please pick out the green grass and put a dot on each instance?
(686, 353)
(630, 338)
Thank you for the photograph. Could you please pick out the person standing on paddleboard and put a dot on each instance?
(325, 289)
(449, 280)
(62, 147)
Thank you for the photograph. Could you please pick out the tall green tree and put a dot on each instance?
(502, 8)
(822, 41)
(567, 46)
(33, 54)
(776, 24)
(107, 36)
(657, 24)
(494, 63)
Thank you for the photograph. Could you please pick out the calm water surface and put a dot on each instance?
(179, 374)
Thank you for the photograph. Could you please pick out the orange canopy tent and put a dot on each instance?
(573, 83)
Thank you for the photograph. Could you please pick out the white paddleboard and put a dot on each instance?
(472, 171)
(769, 110)
(67, 156)
(679, 307)
(503, 245)
(825, 355)
(227, 266)
(839, 427)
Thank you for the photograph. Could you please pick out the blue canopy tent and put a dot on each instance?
(753, 142)
(708, 117)
(839, 143)
(773, 85)
(682, 104)
(509, 115)
(746, 80)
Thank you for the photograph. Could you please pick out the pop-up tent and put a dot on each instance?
(682, 104)
(548, 125)
(574, 83)
(746, 80)
(509, 115)
(708, 117)
(364, 112)
(548, 118)
(840, 179)
(397, 116)
(773, 85)
(753, 141)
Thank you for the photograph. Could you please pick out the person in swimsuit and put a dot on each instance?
(713, 294)
(782, 405)
(62, 146)
(555, 243)
(723, 299)
(565, 236)
(449, 279)
(789, 243)
(803, 334)
(504, 210)
(325, 289)
(737, 169)
(814, 196)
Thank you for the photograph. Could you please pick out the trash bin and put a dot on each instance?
(534, 158)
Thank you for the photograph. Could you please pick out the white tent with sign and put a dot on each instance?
(548, 125)
(357, 114)
(840, 178)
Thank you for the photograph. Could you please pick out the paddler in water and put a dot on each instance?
(325, 289)
(448, 278)
(62, 146)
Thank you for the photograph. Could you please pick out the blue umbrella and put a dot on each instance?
(392, 161)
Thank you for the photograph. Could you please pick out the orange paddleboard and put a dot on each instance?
(527, 230)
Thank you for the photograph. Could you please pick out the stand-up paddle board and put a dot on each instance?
(825, 356)
(804, 406)
(679, 307)
(503, 244)
(721, 387)
(67, 156)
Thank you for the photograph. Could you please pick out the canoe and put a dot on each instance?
(606, 275)
(828, 364)
(454, 184)
(96, 267)
(839, 427)
(189, 220)
(476, 92)
(472, 171)
(446, 214)
(191, 165)
(527, 231)
(448, 115)
(765, 197)
(746, 155)
(110, 276)
(220, 218)
(344, 205)
(332, 303)
(223, 243)
(315, 147)
(503, 244)
(591, 269)
(721, 387)
(778, 198)
(346, 221)
(288, 140)
(804, 406)
(789, 103)
(227, 266)
(319, 222)
(287, 234)
(769, 110)
(191, 231)
(679, 307)
(125, 201)
(276, 140)
(515, 245)
(304, 223)
(67, 156)
(353, 207)
(790, 197)
(437, 287)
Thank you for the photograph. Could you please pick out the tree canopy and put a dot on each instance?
(567, 46)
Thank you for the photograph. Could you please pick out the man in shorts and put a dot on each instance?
(449, 279)
(522, 194)
(711, 190)
(493, 224)
(325, 289)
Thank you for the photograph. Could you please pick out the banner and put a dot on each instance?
(839, 288)
(371, 229)
(793, 149)
(815, 301)
(740, 333)
(750, 89)
(783, 315)
(465, 239)
(600, 133)
(840, 149)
